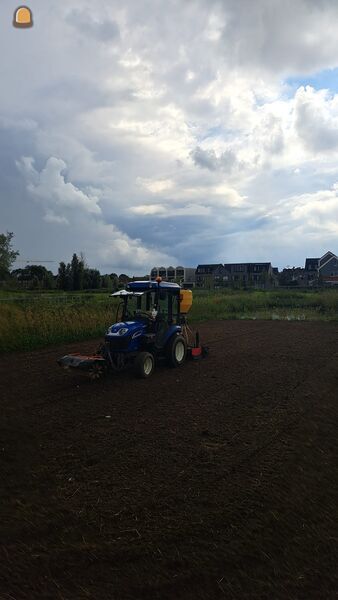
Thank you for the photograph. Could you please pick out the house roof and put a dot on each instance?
(311, 264)
(325, 256)
(248, 264)
(329, 256)
(209, 266)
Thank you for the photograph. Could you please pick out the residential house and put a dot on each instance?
(185, 276)
(328, 268)
(221, 277)
(236, 274)
(251, 274)
(324, 269)
(311, 271)
(294, 276)
(205, 275)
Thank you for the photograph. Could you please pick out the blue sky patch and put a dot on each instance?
(326, 79)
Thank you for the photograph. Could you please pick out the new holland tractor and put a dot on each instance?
(151, 326)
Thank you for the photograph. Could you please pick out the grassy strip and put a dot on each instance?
(29, 325)
(265, 304)
(26, 327)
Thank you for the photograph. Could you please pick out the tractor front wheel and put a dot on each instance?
(144, 365)
(97, 371)
(176, 351)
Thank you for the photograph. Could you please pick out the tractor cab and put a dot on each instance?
(150, 302)
(147, 308)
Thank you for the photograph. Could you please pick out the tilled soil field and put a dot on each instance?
(215, 480)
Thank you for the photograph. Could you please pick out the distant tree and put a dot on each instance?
(115, 281)
(123, 278)
(7, 254)
(92, 279)
(106, 282)
(69, 280)
(44, 277)
(62, 277)
(35, 284)
(83, 260)
(34, 276)
(48, 281)
(77, 273)
(16, 273)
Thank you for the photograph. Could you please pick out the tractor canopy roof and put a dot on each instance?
(144, 286)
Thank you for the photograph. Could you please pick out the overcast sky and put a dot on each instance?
(155, 132)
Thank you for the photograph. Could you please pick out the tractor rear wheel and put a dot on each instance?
(176, 351)
(144, 365)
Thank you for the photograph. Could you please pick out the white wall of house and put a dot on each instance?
(185, 274)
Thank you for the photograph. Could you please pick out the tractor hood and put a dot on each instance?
(127, 328)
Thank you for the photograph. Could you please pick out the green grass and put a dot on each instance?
(274, 304)
(25, 326)
(35, 320)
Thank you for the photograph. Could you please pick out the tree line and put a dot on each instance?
(76, 275)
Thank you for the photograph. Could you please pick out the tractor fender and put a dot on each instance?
(173, 330)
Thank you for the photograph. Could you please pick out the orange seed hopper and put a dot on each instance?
(185, 301)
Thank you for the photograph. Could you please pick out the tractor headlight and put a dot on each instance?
(123, 330)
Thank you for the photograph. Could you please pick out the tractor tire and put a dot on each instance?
(176, 351)
(144, 365)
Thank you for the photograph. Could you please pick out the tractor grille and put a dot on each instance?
(117, 344)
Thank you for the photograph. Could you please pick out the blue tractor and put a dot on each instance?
(151, 326)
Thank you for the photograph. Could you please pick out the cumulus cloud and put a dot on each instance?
(50, 188)
(107, 246)
(319, 211)
(316, 119)
(65, 204)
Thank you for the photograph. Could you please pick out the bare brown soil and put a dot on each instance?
(215, 480)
